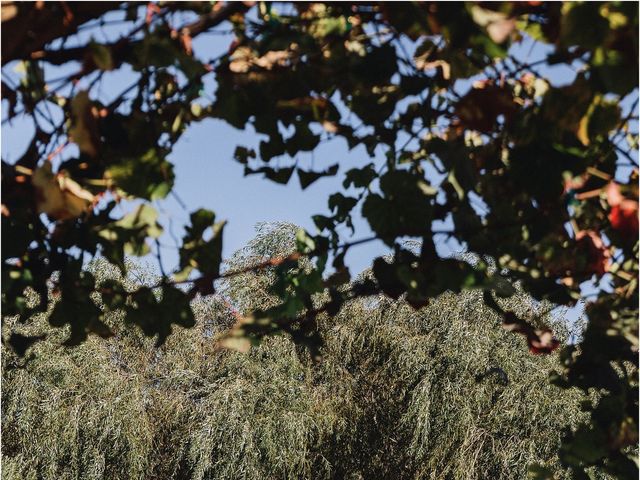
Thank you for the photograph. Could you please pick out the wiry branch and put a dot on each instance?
(271, 262)
(28, 26)
(215, 18)
(121, 46)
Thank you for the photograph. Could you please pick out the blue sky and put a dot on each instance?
(207, 176)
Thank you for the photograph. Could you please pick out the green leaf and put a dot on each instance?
(602, 117)
(17, 235)
(16, 279)
(538, 472)
(113, 294)
(156, 317)
(129, 234)
(341, 206)
(145, 216)
(307, 178)
(587, 444)
(302, 141)
(198, 253)
(575, 16)
(564, 107)
(532, 28)
(21, 343)
(329, 26)
(243, 154)
(360, 177)
(155, 49)
(405, 208)
(76, 307)
(501, 286)
(83, 129)
(280, 175)
(149, 176)
(610, 69)
(304, 242)
(272, 148)
(386, 276)
(322, 222)
(101, 55)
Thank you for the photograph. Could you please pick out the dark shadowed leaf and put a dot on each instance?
(308, 177)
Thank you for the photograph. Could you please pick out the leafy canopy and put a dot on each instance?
(539, 180)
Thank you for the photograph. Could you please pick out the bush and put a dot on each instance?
(438, 393)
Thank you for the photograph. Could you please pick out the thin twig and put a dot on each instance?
(626, 154)
(180, 202)
(159, 257)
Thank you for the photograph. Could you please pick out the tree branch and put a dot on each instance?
(34, 24)
(214, 18)
(117, 48)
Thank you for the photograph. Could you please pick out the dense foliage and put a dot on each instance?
(540, 180)
(436, 394)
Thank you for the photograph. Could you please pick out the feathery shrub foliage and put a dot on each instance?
(438, 393)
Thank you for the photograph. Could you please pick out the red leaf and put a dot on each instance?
(624, 212)
(480, 108)
(598, 255)
(540, 341)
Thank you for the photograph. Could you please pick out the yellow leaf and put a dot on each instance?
(241, 60)
(330, 127)
(236, 338)
(273, 58)
(424, 65)
(583, 131)
(239, 344)
(59, 197)
(498, 25)
(83, 130)
(9, 11)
